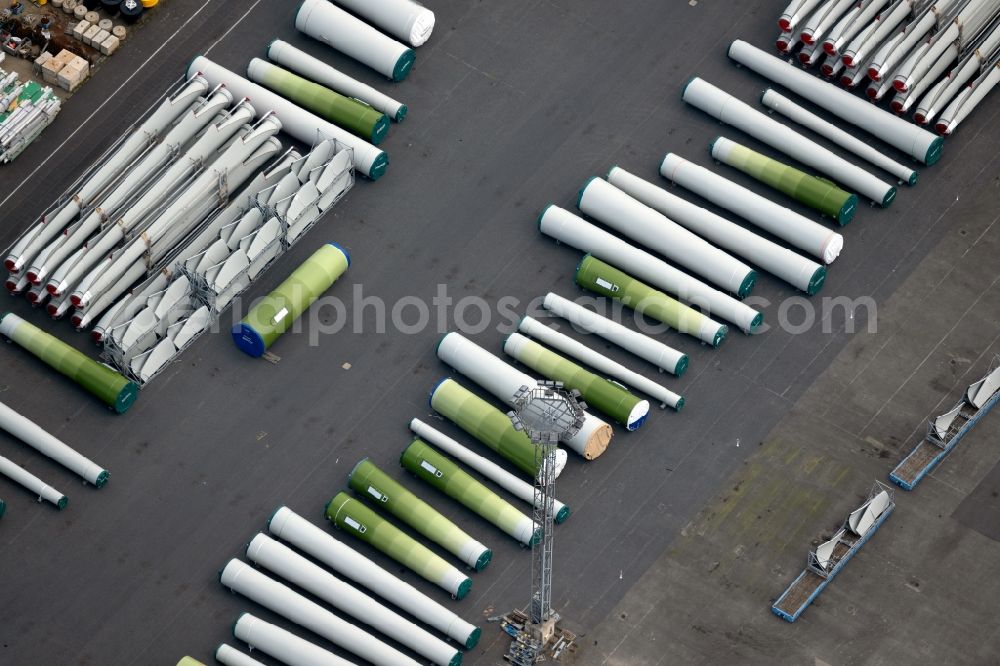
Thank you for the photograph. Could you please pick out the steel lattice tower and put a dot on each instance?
(548, 414)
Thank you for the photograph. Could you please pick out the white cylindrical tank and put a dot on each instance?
(665, 358)
(32, 434)
(495, 473)
(328, 23)
(287, 525)
(295, 569)
(314, 69)
(227, 655)
(567, 228)
(721, 105)
(613, 208)
(283, 645)
(404, 19)
(482, 367)
(503, 380)
(786, 107)
(559, 341)
(269, 593)
(296, 121)
(897, 132)
(784, 223)
(799, 271)
(18, 474)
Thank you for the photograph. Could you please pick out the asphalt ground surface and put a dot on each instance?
(918, 590)
(512, 106)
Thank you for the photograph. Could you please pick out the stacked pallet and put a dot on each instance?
(73, 73)
(52, 67)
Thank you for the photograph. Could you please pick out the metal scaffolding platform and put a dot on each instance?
(946, 431)
(548, 414)
(830, 557)
(142, 357)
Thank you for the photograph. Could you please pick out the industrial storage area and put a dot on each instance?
(363, 331)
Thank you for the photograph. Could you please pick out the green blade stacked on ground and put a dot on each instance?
(818, 193)
(113, 389)
(601, 278)
(489, 425)
(602, 394)
(354, 116)
(355, 518)
(376, 486)
(439, 471)
(275, 313)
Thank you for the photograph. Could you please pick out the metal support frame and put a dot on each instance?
(88, 173)
(827, 575)
(548, 414)
(202, 292)
(958, 429)
(957, 426)
(540, 608)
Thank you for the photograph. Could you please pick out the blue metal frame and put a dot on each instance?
(791, 617)
(910, 485)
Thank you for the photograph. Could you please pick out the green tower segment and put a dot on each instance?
(353, 517)
(601, 278)
(487, 424)
(113, 389)
(277, 311)
(377, 487)
(602, 394)
(818, 193)
(436, 469)
(351, 114)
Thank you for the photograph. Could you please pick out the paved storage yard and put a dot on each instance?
(684, 532)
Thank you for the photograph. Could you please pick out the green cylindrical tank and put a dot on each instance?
(439, 471)
(189, 661)
(602, 278)
(818, 193)
(602, 394)
(355, 518)
(376, 486)
(484, 422)
(112, 388)
(3, 508)
(351, 114)
(277, 311)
